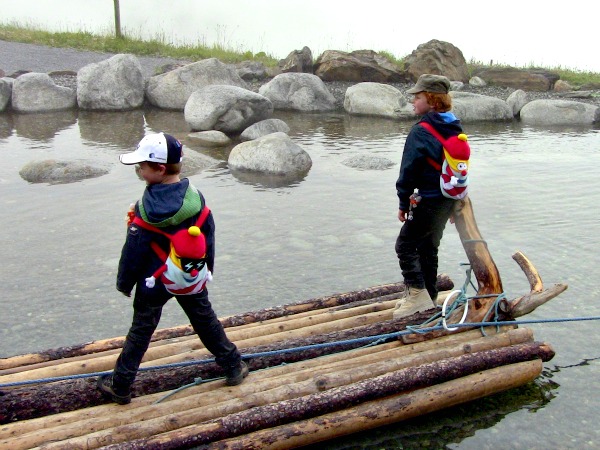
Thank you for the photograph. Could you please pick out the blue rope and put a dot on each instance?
(370, 340)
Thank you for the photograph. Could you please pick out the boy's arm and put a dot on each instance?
(208, 230)
(134, 259)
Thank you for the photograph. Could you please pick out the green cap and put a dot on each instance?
(428, 82)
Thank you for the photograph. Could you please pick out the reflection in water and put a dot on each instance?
(6, 125)
(172, 122)
(268, 180)
(44, 126)
(120, 129)
(439, 429)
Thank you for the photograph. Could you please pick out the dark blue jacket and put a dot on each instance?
(168, 207)
(415, 170)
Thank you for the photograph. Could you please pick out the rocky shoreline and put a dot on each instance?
(338, 90)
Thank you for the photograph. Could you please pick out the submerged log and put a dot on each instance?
(339, 398)
(385, 411)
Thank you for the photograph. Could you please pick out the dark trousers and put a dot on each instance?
(418, 242)
(147, 309)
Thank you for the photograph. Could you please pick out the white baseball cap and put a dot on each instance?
(161, 148)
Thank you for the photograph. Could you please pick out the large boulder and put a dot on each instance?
(470, 107)
(263, 128)
(37, 92)
(115, 84)
(298, 91)
(559, 112)
(229, 109)
(516, 100)
(297, 61)
(439, 58)
(525, 79)
(172, 90)
(57, 172)
(377, 99)
(274, 153)
(5, 92)
(360, 65)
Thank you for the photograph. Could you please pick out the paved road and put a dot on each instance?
(16, 56)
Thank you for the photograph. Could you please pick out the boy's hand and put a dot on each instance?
(401, 215)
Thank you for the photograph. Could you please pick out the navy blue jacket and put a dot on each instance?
(415, 170)
(167, 205)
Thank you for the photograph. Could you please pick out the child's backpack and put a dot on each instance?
(454, 171)
(184, 271)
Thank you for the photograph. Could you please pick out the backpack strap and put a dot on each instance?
(439, 137)
(157, 248)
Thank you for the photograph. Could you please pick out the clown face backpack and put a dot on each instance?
(454, 170)
(184, 271)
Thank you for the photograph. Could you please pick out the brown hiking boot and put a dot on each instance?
(416, 300)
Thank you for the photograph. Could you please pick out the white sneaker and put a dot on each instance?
(415, 301)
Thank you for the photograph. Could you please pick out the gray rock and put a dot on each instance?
(263, 128)
(297, 61)
(5, 92)
(475, 108)
(211, 138)
(559, 112)
(36, 92)
(229, 109)
(274, 153)
(58, 172)
(368, 162)
(516, 100)
(298, 91)
(172, 90)
(377, 99)
(115, 84)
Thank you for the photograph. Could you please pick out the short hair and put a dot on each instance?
(439, 102)
(170, 169)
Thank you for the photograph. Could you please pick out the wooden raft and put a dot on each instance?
(320, 393)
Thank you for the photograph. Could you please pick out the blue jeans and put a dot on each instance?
(418, 242)
(147, 309)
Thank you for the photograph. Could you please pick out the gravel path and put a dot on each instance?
(16, 56)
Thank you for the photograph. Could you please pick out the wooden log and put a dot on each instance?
(33, 401)
(212, 392)
(103, 428)
(177, 351)
(339, 398)
(443, 282)
(386, 411)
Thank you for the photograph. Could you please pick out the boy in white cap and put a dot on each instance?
(422, 229)
(169, 205)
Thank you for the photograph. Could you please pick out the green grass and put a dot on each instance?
(159, 46)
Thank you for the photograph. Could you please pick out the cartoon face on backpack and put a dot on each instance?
(455, 169)
(185, 271)
(454, 176)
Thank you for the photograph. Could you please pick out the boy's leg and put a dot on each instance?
(210, 331)
(440, 212)
(147, 309)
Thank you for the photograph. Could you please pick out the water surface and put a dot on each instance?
(280, 241)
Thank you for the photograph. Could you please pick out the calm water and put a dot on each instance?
(533, 190)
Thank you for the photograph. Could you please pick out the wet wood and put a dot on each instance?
(269, 388)
(336, 399)
(383, 412)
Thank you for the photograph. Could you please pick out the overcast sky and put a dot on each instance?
(519, 33)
